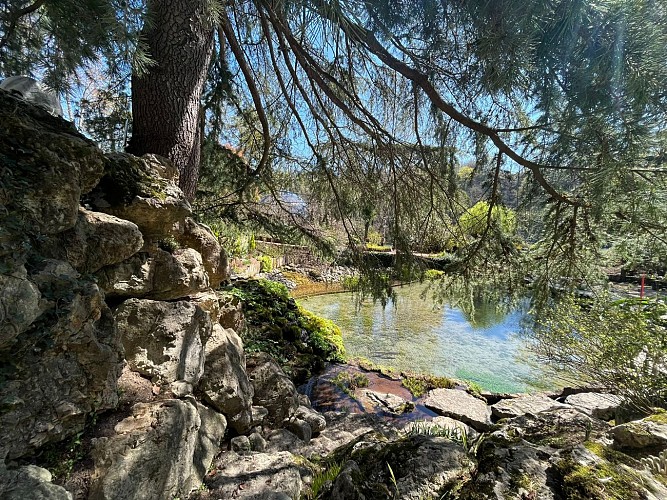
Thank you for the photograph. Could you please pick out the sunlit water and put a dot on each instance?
(413, 333)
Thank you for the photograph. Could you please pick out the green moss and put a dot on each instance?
(125, 177)
(609, 454)
(420, 384)
(659, 417)
(598, 482)
(299, 340)
(348, 382)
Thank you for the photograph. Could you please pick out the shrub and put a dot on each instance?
(433, 274)
(265, 263)
(620, 346)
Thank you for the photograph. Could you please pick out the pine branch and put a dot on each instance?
(16, 16)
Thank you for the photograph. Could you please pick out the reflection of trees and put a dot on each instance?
(485, 314)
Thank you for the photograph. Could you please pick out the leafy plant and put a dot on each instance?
(320, 479)
(265, 263)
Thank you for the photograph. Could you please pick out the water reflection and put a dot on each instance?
(414, 333)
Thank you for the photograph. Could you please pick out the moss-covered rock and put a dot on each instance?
(298, 340)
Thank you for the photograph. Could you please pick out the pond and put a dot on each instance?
(416, 334)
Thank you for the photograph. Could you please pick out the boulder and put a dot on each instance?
(390, 402)
(202, 239)
(95, 241)
(30, 482)
(557, 428)
(162, 450)
(509, 408)
(461, 406)
(650, 432)
(231, 312)
(45, 167)
(273, 389)
(164, 340)
(240, 444)
(257, 476)
(159, 275)
(413, 468)
(144, 191)
(597, 405)
(62, 368)
(300, 428)
(315, 419)
(20, 304)
(225, 384)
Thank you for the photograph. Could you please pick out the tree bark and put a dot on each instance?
(166, 98)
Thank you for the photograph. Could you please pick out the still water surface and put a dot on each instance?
(414, 333)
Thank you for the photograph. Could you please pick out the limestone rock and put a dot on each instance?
(30, 482)
(257, 476)
(461, 406)
(46, 166)
(231, 312)
(511, 470)
(300, 428)
(257, 442)
(202, 239)
(95, 241)
(162, 450)
(240, 444)
(63, 367)
(159, 275)
(646, 433)
(315, 419)
(602, 406)
(509, 408)
(273, 389)
(208, 300)
(558, 428)
(20, 305)
(142, 190)
(164, 340)
(390, 402)
(421, 466)
(225, 384)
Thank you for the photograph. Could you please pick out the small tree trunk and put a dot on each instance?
(166, 99)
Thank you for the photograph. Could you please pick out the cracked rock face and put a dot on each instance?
(164, 340)
(461, 406)
(162, 450)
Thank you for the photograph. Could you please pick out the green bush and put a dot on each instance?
(265, 263)
(473, 222)
(433, 274)
(616, 345)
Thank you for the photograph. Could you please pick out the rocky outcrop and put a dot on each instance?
(273, 389)
(225, 384)
(159, 275)
(45, 167)
(20, 304)
(202, 239)
(162, 450)
(61, 368)
(650, 432)
(95, 241)
(257, 476)
(461, 406)
(412, 468)
(30, 482)
(164, 340)
(231, 312)
(144, 191)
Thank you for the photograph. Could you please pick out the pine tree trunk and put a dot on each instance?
(166, 99)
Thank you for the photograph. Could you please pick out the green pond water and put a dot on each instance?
(413, 333)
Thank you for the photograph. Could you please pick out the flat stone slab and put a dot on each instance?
(597, 405)
(460, 405)
(646, 433)
(533, 403)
